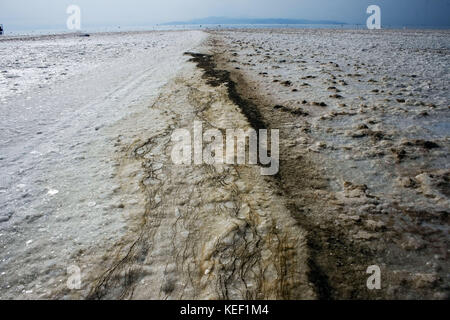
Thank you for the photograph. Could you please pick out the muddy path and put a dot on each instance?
(226, 232)
(205, 231)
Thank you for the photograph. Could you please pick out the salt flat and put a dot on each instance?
(59, 94)
(87, 180)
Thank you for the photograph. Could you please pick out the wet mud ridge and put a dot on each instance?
(216, 77)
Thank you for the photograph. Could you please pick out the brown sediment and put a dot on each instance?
(217, 77)
(236, 90)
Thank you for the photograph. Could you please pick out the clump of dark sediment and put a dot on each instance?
(216, 77)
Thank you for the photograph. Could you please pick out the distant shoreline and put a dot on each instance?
(17, 33)
(270, 21)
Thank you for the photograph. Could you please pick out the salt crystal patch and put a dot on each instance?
(52, 192)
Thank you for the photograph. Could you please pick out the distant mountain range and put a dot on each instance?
(224, 20)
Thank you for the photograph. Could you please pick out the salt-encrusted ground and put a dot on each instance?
(63, 101)
(86, 177)
(88, 182)
(365, 140)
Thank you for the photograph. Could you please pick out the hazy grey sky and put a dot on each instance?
(52, 13)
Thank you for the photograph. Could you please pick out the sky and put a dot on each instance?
(36, 14)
